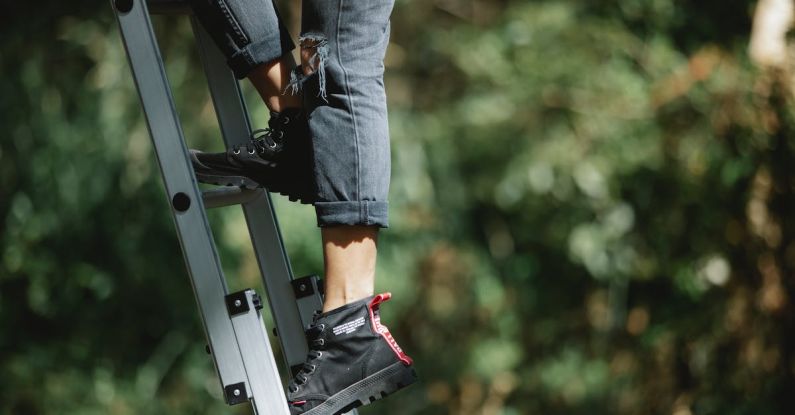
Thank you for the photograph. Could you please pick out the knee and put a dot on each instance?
(314, 52)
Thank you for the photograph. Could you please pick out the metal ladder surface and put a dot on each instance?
(236, 334)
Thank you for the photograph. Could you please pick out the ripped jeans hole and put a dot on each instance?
(314, 53)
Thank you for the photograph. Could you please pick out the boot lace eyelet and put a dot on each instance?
(286, 120)
(252, 151)
(236, 151)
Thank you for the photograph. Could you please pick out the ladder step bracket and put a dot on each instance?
(235, 393)
(306, 286)
(237, 303)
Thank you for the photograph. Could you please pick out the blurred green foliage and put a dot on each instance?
(591, 213)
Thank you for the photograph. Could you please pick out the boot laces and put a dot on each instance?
(316, 344)
(261, 141)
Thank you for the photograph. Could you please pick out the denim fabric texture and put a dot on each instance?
(342, 87)
(248, 32)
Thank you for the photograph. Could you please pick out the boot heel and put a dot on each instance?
(398, 376)
(405, 377)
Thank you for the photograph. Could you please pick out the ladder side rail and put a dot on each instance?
(193, 230)
(264, 384)
(260, 216)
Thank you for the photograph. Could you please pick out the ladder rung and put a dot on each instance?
(228, 196)
(168, 7)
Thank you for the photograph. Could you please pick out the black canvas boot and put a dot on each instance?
(278, 158)
(353, 361)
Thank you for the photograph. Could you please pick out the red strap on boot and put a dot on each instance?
(375, 318)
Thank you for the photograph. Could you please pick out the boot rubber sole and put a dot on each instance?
(242, 182)
(368, 390)
(219, 180)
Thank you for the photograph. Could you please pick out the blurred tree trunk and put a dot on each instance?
(768, 47)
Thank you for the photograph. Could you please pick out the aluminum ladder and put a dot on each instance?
(236, 335)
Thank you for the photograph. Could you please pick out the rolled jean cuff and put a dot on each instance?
(245, 60)
(364, 212)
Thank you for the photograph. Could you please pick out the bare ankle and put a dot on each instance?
(339, 298)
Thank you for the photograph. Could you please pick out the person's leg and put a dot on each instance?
(349, 254)
(342, 50)
(343, 44)
(353, 360)
(257, 46)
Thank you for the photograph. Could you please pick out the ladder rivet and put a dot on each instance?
(236, 392)
(181, 202)
(238, 303)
